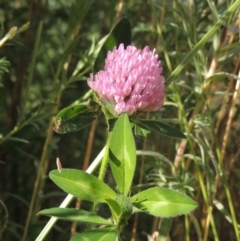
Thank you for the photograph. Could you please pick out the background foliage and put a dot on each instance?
(47, 68)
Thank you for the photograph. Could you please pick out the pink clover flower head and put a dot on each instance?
(131, 80)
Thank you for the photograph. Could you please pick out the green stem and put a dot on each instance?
(103, 167)
(105, 158)
(187, 228)
(164, 228)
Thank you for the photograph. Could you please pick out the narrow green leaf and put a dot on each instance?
(19, 140)
(82, 185)
(4, 62)
(73, 214)
(76, 117)
(103, 234)
(161, 128)
(122, 154)
(120, 34)
(163, 202)
(24, 27)
(229, 47)
(221, 75)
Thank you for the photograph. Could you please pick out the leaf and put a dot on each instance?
(161, 128)
(74, 215)
(76, 117)
(82, 185)
(163, 202)
(221, 75)
(103, 234)
(229, 47)
(140, 131)
(120, 34)
(4, 62)
(115, 208)
(122, 154)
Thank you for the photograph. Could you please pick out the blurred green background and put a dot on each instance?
(48, 65)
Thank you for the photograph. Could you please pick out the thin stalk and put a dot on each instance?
(69, 197)
(227, 98)
(164, 228)
(206, 229)
(187, 227)
(4, 212)
(105, 158)
(230, 119)
(103, 167)
(196, 225)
